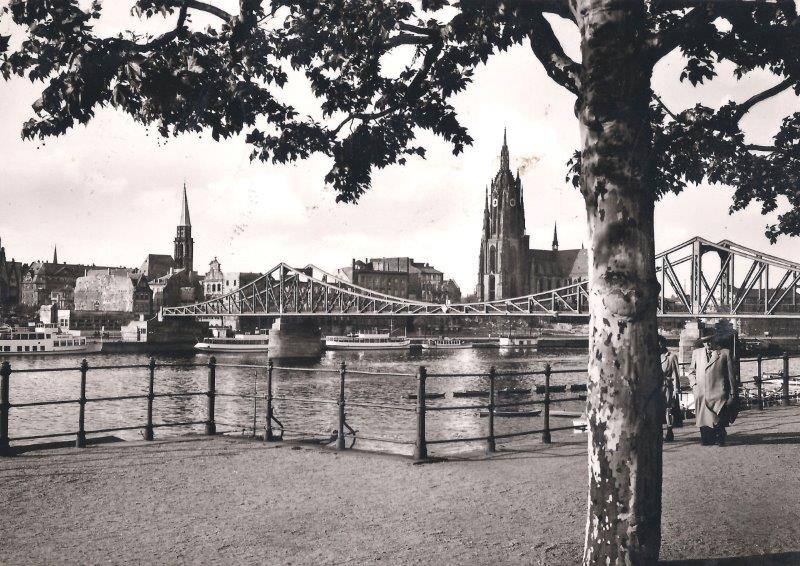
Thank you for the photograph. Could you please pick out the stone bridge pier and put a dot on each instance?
(295, 338)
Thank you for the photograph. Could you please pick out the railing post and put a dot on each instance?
(759, 381)
(211, 426)
(785, 378)
(490, 442)
(5, 405)
(268, 435)
(546, 425)
(80, 441)
(148, 431)
(421, 446)
(340, 438)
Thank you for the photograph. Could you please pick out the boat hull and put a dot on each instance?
(340, 346)
(91, 348)
(232, 348)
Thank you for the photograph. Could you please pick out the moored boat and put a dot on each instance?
(367, 342)
(237, 343)
(446, 344)
(512, 341)
(43, 339)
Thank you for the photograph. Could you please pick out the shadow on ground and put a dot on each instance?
(779, 559)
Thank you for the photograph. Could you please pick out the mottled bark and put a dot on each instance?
(624, 407)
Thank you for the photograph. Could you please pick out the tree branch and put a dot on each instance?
(412, 92)
(744, 107)
(163, 39)
(408, 39)
(558, 7)
(665, 42)
(208, 8)
(558, 65)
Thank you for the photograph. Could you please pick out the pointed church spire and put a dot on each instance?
(504, 153)
(55, 254)
(185, 221)
(555, 237)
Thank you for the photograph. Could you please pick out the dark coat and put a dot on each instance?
(714, 384)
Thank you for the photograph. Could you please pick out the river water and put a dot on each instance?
(305, 417)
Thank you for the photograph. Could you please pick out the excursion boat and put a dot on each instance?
(44, 339)
(238, 343)
(446, 344)
(518, 341)
(367, 342)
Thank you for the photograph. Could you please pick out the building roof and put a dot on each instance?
(425, 268)
(47, 269)
(573, 264)
(109, 271)
(156, 265)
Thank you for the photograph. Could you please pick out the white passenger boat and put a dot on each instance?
(367, 342)
(43, 339)
(446, 344)
(237, 343)
(511, 341)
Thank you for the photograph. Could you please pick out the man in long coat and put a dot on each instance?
(714, 384)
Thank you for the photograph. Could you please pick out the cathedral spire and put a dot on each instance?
(504, 153)
(555, 237)
(185, 220)
(55, 254)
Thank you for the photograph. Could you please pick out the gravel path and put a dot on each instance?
(236, 501)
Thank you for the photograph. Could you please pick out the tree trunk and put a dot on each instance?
(625, 404)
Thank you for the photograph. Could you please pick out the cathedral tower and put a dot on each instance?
(503, 269)
(184, 244)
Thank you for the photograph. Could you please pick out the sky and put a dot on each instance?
(109, 193)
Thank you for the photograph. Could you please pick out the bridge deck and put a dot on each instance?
(204, 500)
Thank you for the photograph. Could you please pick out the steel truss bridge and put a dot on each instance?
(699, 279)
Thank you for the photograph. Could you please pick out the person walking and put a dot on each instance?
(714, 384)
(670, 379)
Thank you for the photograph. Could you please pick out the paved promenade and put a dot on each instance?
(229, 500)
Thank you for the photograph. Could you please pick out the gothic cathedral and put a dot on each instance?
(507, 266)
(504, 245)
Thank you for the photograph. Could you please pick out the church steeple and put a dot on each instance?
(55, 254)
(184, 244)
(185, 220)
(504, 153)
(555, 237)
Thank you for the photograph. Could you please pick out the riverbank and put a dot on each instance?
(231, 500)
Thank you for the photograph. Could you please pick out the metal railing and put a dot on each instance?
(274, 429)
(84, 369)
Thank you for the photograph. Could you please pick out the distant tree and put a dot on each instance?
(228, 78)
